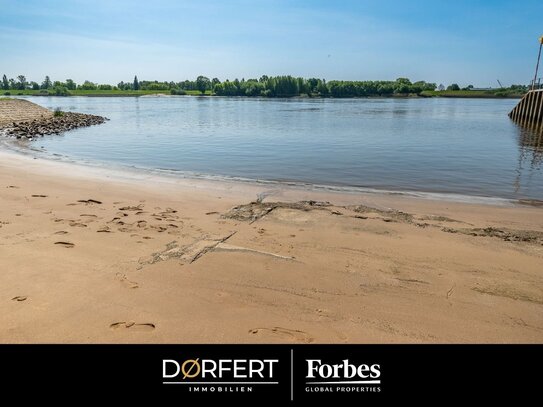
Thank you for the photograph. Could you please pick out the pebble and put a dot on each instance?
(51, 125)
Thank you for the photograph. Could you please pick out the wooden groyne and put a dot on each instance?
(530, 108)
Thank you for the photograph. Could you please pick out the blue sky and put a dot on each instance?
(106, 41)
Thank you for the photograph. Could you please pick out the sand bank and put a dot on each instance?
(90, 255)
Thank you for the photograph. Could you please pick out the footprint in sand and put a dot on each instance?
(39, 196)
(61, 232)
(13, 186)
(67, 245)
(293, 335)
(104, 229)
(90, 201)
(132, 326)
(125, 281)
(77, 224)
(19, 298)
(131, 208)
(321, 312)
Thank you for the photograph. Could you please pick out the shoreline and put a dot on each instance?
(97, 256)
(22, 145)
(12, 146)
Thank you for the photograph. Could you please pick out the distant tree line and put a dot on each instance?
(287, 86)
(265, 86)
(46, 87)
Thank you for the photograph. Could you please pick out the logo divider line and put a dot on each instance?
(209, 383)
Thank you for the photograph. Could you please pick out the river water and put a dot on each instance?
(436, 145)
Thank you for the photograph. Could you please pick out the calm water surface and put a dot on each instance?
(461, 146)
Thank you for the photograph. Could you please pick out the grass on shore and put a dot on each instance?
(79, 92)
(494, 93)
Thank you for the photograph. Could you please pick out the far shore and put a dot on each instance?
(98, 256)
(130, 93)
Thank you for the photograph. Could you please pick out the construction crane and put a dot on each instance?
(538, 58)
(499, 83)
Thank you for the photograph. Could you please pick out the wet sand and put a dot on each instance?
(96, 256)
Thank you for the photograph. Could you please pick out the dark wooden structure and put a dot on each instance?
(530, 108)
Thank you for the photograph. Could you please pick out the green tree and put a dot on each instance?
(187, 85)
(70, 84)
(312, 84)
(46, 84)
(404, 81)
(136, 83)
(322, 89)
(21, 82)
(35, 85)
(251, 88)
(283, 86)
(454, 86)
(226, 88)
(5, 83)
(154, 85)
(214, 81)
(202, 84)
(61, 91)
(87, 86)
(402, 86)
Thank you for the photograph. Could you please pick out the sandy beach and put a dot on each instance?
(91, 255)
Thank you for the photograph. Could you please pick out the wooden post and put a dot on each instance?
(531, 106)
(540, 107)
(537, 65)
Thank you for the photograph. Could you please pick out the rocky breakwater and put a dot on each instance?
(60, 122)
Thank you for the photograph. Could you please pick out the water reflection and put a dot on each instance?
(530, 139)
